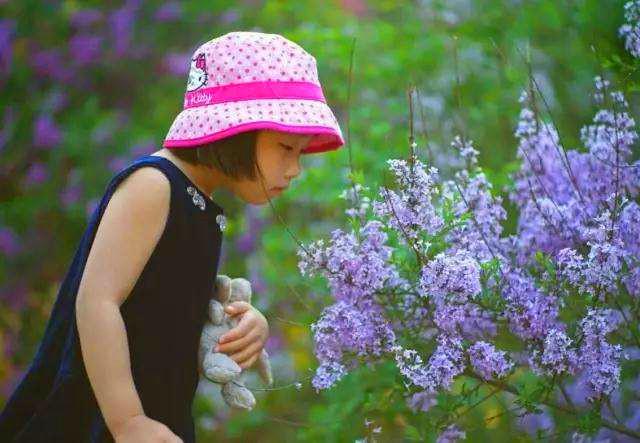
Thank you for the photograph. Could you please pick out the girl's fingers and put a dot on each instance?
(238, 344)
(243, 327)
(250, 361)
(237, 307)
(246, 353)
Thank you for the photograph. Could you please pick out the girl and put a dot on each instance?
(118, 361)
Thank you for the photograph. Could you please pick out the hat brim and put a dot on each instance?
(205, 124)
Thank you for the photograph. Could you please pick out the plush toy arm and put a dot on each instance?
(216, 312)
(263, 365)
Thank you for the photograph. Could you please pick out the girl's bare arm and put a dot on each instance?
(129, 230)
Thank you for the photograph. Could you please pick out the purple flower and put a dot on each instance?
(8, 118)
(117, 163)
(36, 174)
(7, 30)
(454, 278)
(91, 206)
(557, 356)
(46, 133)
(489, 362)
(15, 296)
(84, 18)
(121, 22)
(630, 31)
(532, 423)
(246, 242)
(169, 12)
(176, 63)
(530, 312)
(421, 401)
(343, 329)
(600, 359)
(85, 49)
(446, 363)
(51, 63)
(140, 149)
(229, 16)
(356, 268)
(327, 374)
(10, 244)
(451, 434)
(480, 235)
(70, 195)
(410, 211)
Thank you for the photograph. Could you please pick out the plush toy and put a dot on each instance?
(218, 367)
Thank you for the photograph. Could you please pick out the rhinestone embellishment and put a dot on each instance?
(198, 200)
(222, 221)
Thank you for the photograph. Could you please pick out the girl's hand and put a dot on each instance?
(140, 428)
(244, 342)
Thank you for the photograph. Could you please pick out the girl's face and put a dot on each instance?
(278, 158)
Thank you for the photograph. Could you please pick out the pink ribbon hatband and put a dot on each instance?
(252, 91)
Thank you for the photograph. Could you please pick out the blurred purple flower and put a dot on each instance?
(85, 18)
(168, 12)
(46, 133)
(51, 63)
(246, 243)
(36, 174)
(421, 401)
(532, 423)
(7, 126)
(9, 242)
(91, 205)
(140, 149)
(630, 31)
(85, 49)
(71, 194)
(451, 434)
(117, 163)
(229, 16)
(121, 22)
(176, 63)
(274, 343)
(15, 296)
(7, 30)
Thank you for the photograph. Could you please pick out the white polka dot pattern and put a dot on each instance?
(243, 57)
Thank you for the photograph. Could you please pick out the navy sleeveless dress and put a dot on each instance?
(164, 315)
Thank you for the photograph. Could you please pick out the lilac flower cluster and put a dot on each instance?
(599, 358)
(355, 267)
(577, 237)
(481, 236)
(630, 31)
(451, 282)
(411, 211)
(488, 362)
(557, 356)
(446, 362)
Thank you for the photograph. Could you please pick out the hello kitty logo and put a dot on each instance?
(197, 73)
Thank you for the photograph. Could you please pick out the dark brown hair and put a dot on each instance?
(234, 156)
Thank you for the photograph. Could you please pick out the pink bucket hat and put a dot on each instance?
(243, 81)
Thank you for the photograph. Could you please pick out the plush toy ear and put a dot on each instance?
(222, 288)
(240, 290)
